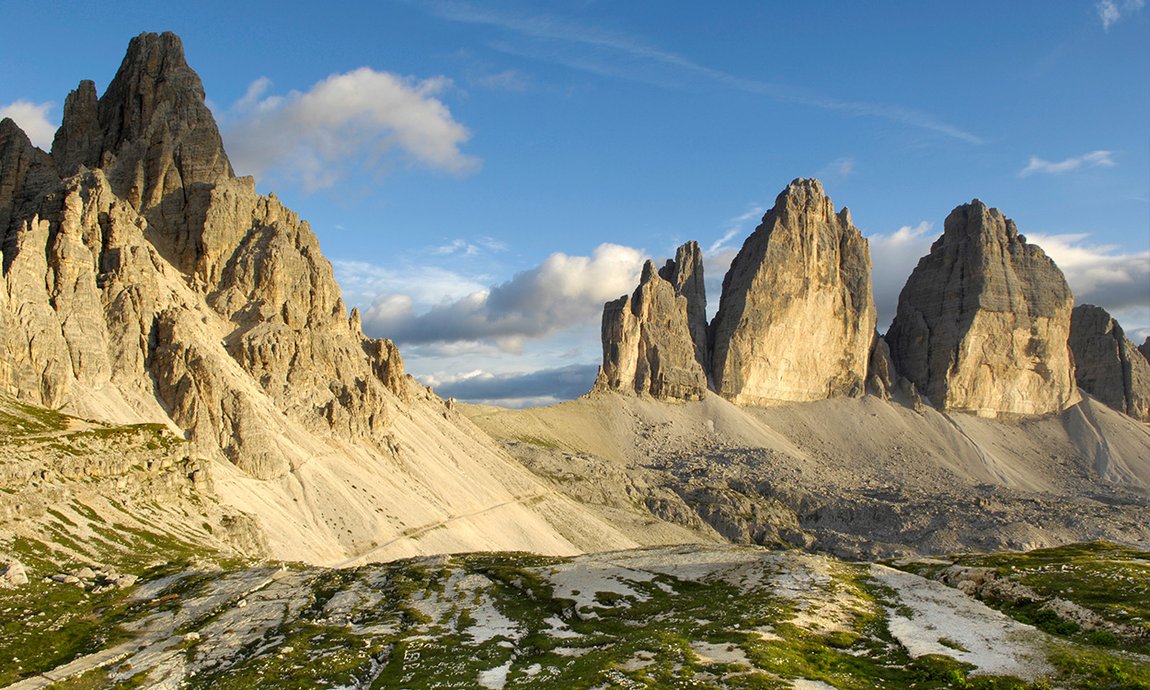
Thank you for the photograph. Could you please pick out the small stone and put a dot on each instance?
(14, 575)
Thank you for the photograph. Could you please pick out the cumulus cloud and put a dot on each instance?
(1110, 11)
(358, 118)
(1099, 273)
(543, 386)
(893, 257)
(562, 292)
(33, 119)
(1094, 159)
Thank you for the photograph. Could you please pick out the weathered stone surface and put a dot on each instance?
(983, 321)
(647, 340)
(881, 376)
(1107, 365)
(150, 281)
(685, 273)
(1144, 348)
(25, 173)
(797, 317)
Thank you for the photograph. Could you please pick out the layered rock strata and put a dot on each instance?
(984, 319)
(1107, 365)
(142, 278)
(797, 317)
(653, 340)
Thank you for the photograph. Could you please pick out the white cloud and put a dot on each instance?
(359, 118)
(1098, 273)
(562, 292)
(422, 285)
(1110, 11)
(893, 257)
(33, 119)
(839, 167)
(1094, 159)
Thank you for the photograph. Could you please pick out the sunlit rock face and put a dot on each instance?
(796, 319)
(984, 319)
(654, 340)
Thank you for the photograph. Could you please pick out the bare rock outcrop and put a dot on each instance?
(1107, 365)
(983, 321)
(1144, 348)
(797, 316)
(649, 346)
(685, 273)
(142, 279)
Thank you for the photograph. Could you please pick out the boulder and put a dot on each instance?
(797, 317)
(983, 321)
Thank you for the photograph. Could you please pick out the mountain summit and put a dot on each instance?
(143, 281)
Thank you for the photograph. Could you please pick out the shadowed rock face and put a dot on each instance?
(1144, 348)
(797, 316)
(1107, 365)
(650, 339)
(142, 279)
(983, 321)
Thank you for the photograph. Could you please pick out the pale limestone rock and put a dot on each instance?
(797, 317)
(983, 321)
(881, 376)
(647, 341)
(14, 575)
(149, 225)
(1107, 365)
(685, 273)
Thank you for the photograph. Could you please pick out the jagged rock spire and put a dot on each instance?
(983, 321)
(650, 339)
(151, 131)
(796, 318)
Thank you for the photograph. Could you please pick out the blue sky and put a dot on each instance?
(484, 175)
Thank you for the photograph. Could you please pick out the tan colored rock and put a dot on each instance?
(27, 171)
(797, 317)
(1107, 365)
(647, 342)
(685, 274)
(983, 321)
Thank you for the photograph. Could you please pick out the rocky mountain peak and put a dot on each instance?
(796, 318)
(653, 343)
(1107, 365)
(983, 321)
(151, 131)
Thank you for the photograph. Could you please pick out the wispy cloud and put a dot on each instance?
(33, 119)
(554, 30)
(1094, 159)
(357, 118)
(1111, 11)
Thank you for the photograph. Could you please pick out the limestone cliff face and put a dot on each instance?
(141, 278)
(983, 321)
(1144, 348)
(649, 345)
(685, 274)
(797, 317)
(1107, 365)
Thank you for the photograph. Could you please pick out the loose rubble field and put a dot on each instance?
(673, 617)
